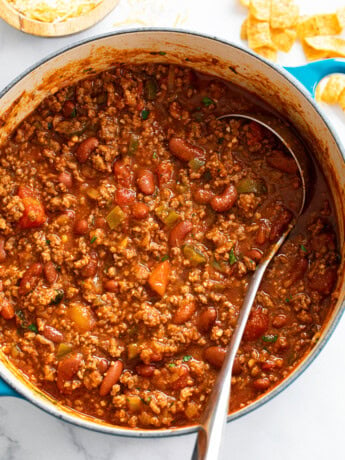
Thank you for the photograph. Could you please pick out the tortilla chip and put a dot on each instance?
(332, 89)
(244, 34)
(311, 53)
(341, 17)
(284, 14)
(341, 100)
(324, 47)
(320, 24)
(260, 9)
(267, 52)
(245, 3)
(259, 34)
(283, 39)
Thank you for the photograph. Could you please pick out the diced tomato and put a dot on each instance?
(123, 173)
(34, 214)
(124, 196)
(257, 325)
(255, 133)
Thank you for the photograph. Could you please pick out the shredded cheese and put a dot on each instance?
(53, 10)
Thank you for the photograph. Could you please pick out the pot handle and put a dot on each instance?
(7, 390)
(310, 74)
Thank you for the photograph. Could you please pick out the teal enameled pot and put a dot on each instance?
(288, 90)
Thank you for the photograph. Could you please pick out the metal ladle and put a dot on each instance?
(213, 420)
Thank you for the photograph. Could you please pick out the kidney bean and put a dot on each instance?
(66, 179)
(67, 368)
(85, 148)
(179, 233)
(123, 173)
(111, 377)
(215, 356)
(207, 319)
(30, 278)
(255, 255)
(280, 224)
(111, 286)
(261, 384)
(52, 334)
(140, 211)
(237, 367)
(3, 254)
(203, 196)
(81, 227)
(50, 272)
(68, 109)
(90, 270)
(257, 325)
(7, 310)
(262, 233)
(225, 200)
(165, 173)
(145, 370)
(184, 150)
(102, 364)
(184, 311)
(124, 196)
(146, 181)
(279, 321)
(282, 162)
(324, 282)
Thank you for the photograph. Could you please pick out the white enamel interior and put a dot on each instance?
(207, 55)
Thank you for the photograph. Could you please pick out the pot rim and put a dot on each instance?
(74, 417)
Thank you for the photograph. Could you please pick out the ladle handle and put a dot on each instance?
(311, 74)
(212, 425)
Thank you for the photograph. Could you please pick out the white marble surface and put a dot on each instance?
(304, 422)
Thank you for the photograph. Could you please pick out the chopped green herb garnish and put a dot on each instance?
(93, 239)
(221, 140)
(270, 338)
(166, 257)
(288, 298)
(187, 59)
(154, 155)
(186, 358)
(304, 249)
(145, 114)
(147, 401)
(232, 257)
(50, 125)
(74, 113)
(90, 69)
(161, 53)
(48, 242)
(232, 69)
(59, 296)
(207, 101)
(32, 327)
(172, 365)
